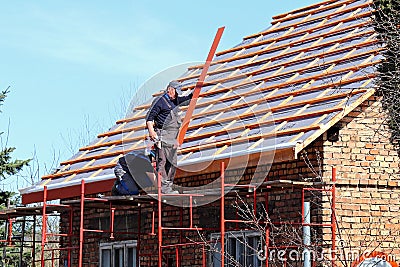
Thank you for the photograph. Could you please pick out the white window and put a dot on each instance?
(241, 248)
(118, 254)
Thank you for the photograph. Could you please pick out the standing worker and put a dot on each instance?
(163, 124)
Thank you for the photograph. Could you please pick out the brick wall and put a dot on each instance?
(367, 185)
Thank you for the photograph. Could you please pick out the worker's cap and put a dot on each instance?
(177, 85)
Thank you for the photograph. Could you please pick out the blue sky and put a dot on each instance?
(72, 65)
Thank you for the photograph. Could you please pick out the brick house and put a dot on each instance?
(279, 110)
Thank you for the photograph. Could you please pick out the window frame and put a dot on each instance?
(124, 245)
(234, 235)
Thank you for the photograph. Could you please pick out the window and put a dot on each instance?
(240, 247)
(118, 254)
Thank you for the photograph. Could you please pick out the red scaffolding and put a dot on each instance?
(158, 202)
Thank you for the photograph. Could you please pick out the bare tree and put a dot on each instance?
(387, 24)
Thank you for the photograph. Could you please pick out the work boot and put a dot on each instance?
(169, 191)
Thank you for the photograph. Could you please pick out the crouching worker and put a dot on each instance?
(134, 172)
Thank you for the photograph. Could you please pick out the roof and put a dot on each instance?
(277, 90)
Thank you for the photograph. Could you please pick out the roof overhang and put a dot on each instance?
(67, 190)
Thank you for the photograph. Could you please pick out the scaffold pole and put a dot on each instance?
(44, 224)
(222, 213)
(81, 222)
(333, 216)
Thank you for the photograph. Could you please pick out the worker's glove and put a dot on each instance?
(118, 171)
(153, 135)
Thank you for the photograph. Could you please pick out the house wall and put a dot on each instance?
(367, 203)
(368, 184)
(284, 205)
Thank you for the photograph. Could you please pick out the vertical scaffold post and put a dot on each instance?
(266, 248)
(44, 224)
(203, 249)
(34, 241)
(306, 221)
(81, 223)
(159, 201)
(9, 231)
(153, 218)
(22, 241)
(112, 216)
(177, 261)
(70, 232)
(222, 214)
(255, 202)
(333, 215)
(139, 235)
(52, 257)
(180, 234)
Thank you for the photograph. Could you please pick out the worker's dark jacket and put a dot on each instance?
(131, 172)
(164, 113)
(161, 108)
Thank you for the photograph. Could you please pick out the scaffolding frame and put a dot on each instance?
(157, 202)
(25, 215)
(18, 241)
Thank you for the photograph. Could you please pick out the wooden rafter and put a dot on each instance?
(298, 33)
(199, 84)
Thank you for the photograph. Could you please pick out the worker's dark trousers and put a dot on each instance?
(167, 166)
